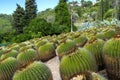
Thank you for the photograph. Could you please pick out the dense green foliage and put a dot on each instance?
(38, 25)
(47, 14)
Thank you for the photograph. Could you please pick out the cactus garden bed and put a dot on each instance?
(92, 54)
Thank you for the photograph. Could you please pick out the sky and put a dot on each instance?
(9, 6)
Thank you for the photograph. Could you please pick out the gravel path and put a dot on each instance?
(53, 64)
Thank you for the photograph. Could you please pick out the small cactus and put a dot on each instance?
(26, 57)
(34, 71)
(66, 48)
(2, 50)
(46, 52)
(80, 41)
(14, 46)
(25, 48)
(10, 53)
(40, 43)
(109, 33)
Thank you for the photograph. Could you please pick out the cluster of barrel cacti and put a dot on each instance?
(80, 54)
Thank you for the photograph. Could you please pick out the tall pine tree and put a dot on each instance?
(18, 19)
(62, 16)
(30, 10)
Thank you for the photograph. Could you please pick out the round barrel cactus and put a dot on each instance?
(7, 68)
(23, 44)
(100, 36)
(25, 48)
(2, 50)
(40, 43)
(109, 33)
(46, 52)
(11, 53)
(95, 46)
(66, 48)
(111, 52)
(26, 57)
(77, 62)
(14, 46)
(80, 41)
(75, 34)
(34, 71)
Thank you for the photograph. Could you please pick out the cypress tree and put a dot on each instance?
(30, 10)
(18, 19)
(62, 16)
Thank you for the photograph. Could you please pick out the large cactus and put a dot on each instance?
(7, 68)
(65, 48)
(46, 52)
(95, 46)
(77, 62)
(112, 57)
(26, 57)
(34, 71)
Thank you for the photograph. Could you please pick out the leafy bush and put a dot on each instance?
(38, 25)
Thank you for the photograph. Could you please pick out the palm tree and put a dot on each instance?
(101, 10)
(118, 9)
